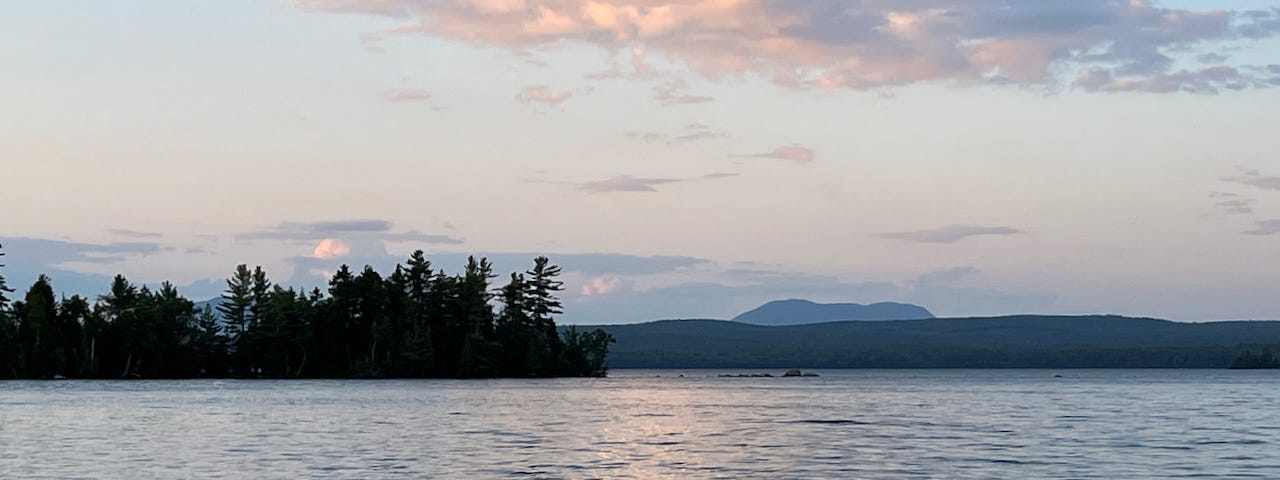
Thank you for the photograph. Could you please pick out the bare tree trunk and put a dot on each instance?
(301, 365)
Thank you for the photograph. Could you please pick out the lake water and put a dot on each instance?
(1016, 424)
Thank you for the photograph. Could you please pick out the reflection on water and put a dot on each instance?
(654, 424)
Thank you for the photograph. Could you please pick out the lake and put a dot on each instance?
(1106, 424)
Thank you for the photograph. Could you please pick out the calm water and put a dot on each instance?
(846, 424)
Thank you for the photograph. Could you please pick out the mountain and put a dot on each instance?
(992, 342)
(799, 312)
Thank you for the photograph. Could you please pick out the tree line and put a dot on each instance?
(417, 322)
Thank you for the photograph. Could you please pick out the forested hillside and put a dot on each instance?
(997, 342)
(415, 322)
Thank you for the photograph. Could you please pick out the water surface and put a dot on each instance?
(1108, 424)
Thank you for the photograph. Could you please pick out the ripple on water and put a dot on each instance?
(856, 424)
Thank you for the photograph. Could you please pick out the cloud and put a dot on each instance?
(316, 231)
(1265, 227)
(27, 258)
(600, 286)
(865, 45)
(1255, 178)
(406, 95)
(794, 153)
(950, 234)
(331, 248)
(1207, 81)
(628, 183)
(1211, 57)
(1236, 205)
(542, 94)
(690, 133)
(120, 232)
(57, 252)
(942, 277)
(307, 269)
(672, 93)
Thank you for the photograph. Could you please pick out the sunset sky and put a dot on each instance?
(680, 158)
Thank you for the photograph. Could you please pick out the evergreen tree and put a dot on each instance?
(38, 331)
(4, 290)
(234, 308)
(8, 330)
(541, 300)
(515, 328)
(74, 315)
(121, 309)
(211, 345)
(419, 282)
(415, 322)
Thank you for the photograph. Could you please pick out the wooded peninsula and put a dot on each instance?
(417, 322)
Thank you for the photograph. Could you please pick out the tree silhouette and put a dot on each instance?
(416, 322)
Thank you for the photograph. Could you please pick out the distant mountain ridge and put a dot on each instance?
(802, 312)
(1019, 341)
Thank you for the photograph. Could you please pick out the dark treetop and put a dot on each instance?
(415, 322)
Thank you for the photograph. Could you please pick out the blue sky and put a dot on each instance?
(687, 158)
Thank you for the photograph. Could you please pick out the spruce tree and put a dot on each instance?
(234, 308)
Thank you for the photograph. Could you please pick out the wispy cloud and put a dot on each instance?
(121, 232)
(690, 133)
(543, 94)
(673, 93)
(951, 234)
(1255, 178)
(1209, 80)
(316, 231)
(1124, 45)
(1265, 227)
(944, 277)
(794, 153)
(56, 252)
(1235, 204)
(628, 183)
(406, 95)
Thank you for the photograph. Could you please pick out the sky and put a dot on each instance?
(679, 158)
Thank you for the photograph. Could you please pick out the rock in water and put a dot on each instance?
(793, 373)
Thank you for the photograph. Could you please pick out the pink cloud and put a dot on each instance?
(542, 94)
(330, 248)
(600, 286)
(794, 153)
(407, 95)
(866, 44)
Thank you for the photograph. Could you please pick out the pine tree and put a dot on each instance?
(541, 300)
(121, 309)
(514, 328)
(210, 343)
(416, 322)
(420, 279)
(37, 329)
(236, 302)
(9, 360)
(4, 289)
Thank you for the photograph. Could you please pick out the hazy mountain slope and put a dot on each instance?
(1016, 341)
(798, 312)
